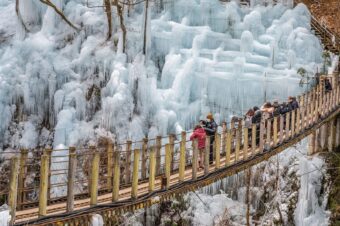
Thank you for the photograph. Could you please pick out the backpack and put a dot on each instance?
(248, 122)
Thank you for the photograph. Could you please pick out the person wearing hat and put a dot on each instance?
(292, 103)
(210, 129)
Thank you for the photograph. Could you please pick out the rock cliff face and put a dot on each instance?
(333, 160)
(327, 11)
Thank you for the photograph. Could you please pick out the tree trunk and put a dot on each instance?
(121, 21)
(145, 25)
(107, 5)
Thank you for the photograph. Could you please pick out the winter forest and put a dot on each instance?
(81, 72)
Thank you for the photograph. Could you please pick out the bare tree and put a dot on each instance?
(107, 5)
(60, 13)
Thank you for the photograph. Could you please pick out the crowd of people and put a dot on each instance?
(253, 116)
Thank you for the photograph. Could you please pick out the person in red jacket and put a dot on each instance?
(199, 134)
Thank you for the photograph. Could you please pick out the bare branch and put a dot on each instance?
(61, 14)
(17, 10)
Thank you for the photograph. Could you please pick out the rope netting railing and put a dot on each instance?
(46, 177)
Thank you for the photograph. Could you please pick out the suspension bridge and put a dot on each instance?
(67, 186)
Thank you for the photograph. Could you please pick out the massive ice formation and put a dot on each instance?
(201, 56)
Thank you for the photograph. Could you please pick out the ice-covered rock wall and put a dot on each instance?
(72, 87)
(288, 189)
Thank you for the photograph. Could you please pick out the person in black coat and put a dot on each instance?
(292, 103)
(328, 85)
(211, 129)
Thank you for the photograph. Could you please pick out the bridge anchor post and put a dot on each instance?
(116, 176)
(94, 177)
(135, 174)
(21, 178)
(43, 187)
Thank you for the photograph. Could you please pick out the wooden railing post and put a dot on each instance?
(223, 137)
(21, 177)
(245, 143)
(144, 157)
(275, 138)
(253, 139)
(281, 128)
(305, 116)
(337, 136)
(182, 157)
(94, 177)
(168, 158)
(152, 169)
(109, 166)
(310, 115)
(48, 152)
(134, 190)
(317, 104)
(72, 166)
(287, 129)
(332, 135)
(43, 187)
(293, 123)
(262, 131)
(217, 150)
(194, 158)
(128, 162)
(298, 122)
(268, 133)
(172, 148)
(228, 147)
(116, 176)
(206, 155)
(237, 144)
(311, 146)
(13, 186)
(321, 100)
(158, 154)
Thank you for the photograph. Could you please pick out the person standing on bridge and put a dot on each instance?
(328, 85)
(199, 134)
(210, 129)
(292, 103)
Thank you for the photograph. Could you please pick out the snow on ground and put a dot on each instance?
(4, 215)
